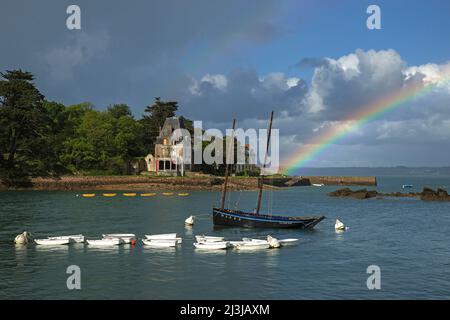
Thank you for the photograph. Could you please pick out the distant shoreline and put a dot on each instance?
(207, 183)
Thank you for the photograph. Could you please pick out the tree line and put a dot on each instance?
(47, 138)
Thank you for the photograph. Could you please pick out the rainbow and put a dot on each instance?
(364, 115)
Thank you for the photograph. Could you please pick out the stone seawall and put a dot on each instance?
(326, 180)
(183, 183)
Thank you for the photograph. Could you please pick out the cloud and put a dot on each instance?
(339, 89)
(79, 49)
(346, 84)
(244, 94)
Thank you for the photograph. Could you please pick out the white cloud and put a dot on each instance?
(340, 89)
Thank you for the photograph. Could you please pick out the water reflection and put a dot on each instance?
(55, 248)
(210, 252)
(21, 254)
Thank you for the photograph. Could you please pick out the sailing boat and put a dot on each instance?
(236, 218)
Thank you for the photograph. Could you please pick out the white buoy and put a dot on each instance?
(273, 242)
(22, 238)
(339, 225)
(190, 221)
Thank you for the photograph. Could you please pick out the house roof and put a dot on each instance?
(170, 124)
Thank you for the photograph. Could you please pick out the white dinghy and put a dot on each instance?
(160, 243)
(203, 238)
(339, 225)
(52, 242)
(252, 244)
(78, 238)
(216, 245)
(105, 242)
(288, 242)
(162, 236)
(126, 237)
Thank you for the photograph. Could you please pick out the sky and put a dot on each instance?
(315, 63)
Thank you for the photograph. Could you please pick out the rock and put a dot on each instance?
(429, 194)
(357, 194)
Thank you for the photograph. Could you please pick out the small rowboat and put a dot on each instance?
(160, 243)
(52, 242)
(208, 239)
(105, 242)
(148, 194)
(88, 195)
(78, 238)
(108, 195)
(125, 237)
(167, 193)
(288, 242)
(219, 245)
(254, 244)
(164, 236)
(129, 194)
(183, 194)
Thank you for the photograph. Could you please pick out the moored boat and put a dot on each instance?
(237, 218)
(52, 242)
(160, 243)
(252, 245)
(317, 184)
(105, 242)
(126, 237)
(288, 242)
(78, 238)
(161, 236)
(203, 238)
(217, 245)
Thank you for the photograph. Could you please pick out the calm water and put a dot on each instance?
(409, 240)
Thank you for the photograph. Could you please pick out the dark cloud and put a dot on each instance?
(246, 95)
(122, 46)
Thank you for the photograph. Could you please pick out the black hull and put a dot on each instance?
(234, 218)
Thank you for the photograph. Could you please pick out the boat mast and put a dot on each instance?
(227, 165)
(261, 177)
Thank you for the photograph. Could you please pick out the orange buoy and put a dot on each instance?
(133, 242)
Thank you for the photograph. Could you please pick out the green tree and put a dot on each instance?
(153, 119)
(120, 110)
(23, 127)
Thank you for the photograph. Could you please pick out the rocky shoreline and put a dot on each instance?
(427, 194)
(201, 182)
(142, 183)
